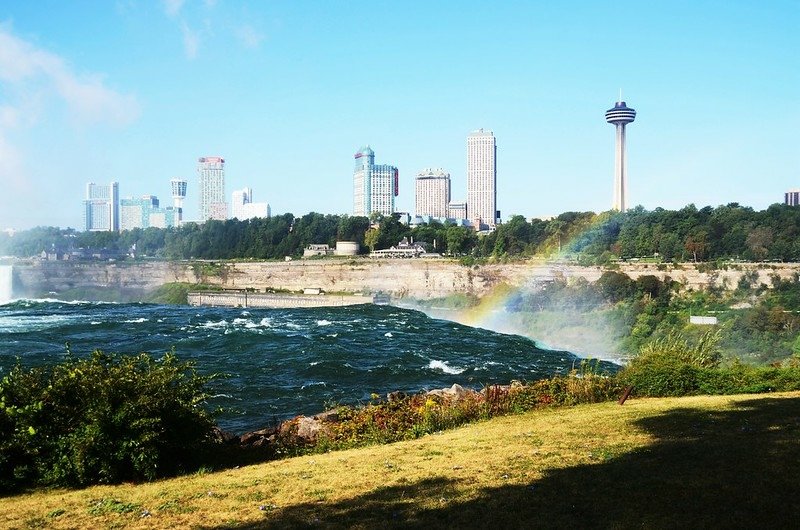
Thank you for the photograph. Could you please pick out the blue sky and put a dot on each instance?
(287, 91)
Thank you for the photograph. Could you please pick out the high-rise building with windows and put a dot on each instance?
(211, 185)
(432, 192)
(374, 186)
(101, 207)
(145, 213)
(243, 207)
(135, 213)
(482, 177)
(457, 210)
(792, 198)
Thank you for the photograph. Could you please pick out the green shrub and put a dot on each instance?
(661, 375)
(104, 419)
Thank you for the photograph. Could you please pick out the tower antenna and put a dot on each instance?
(620, 96)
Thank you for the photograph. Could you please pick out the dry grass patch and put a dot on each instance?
(656, 462)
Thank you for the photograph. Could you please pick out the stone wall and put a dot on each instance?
(223, 299)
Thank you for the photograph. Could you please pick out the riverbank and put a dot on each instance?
(727, 461)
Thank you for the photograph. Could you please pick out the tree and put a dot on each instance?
(371, 238)
(696, 244)
(758, 241)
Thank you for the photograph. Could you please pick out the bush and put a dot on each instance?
(670, 366)
(104, 419)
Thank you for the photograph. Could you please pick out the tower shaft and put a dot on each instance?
(620, 184)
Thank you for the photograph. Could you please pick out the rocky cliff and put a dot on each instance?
(421, 279)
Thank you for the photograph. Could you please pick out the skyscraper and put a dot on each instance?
(792, 198)
(101, 207)
(432, 192)
(620, 116)
(211, 180)
(374, 186)
(482, 177)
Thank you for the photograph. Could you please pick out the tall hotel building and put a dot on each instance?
(101, 207)
(792, 198)
(432, 192)
(211, 177)
(374, 186)
(482, 177)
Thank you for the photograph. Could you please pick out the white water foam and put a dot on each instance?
(135, 320)
(219, 324)
(444, 367)
(388, 334)
(324, 322)
(24, 323)
(6, 283)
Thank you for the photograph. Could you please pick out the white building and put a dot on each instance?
(101, 207)
(792, 198)
(178, 187)
(432, 192)
(482, 177)
(243, 207)
(374, 187)
(211, 183)
(457, 210)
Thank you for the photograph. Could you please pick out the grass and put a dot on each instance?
(706, 461)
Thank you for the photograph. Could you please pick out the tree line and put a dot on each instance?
(731, 231)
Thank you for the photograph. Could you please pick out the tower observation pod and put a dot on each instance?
(620, 116)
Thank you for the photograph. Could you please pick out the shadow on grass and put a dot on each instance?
(729, 469)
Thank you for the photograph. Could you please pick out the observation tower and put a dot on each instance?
(620, 116)
(178, 195)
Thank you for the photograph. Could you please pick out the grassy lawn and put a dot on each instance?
(697, 462)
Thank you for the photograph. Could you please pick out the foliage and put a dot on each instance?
(103, 419)
(671, 366)
(728, 232)
(414, 416)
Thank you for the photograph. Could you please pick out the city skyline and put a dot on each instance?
(272, 87)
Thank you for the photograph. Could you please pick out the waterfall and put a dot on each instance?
(6, 278)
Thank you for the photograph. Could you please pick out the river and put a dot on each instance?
(282, 362)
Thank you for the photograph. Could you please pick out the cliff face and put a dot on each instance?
(421, 279)
(130, 280)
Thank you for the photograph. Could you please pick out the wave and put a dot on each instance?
(324, 322)
(135, 320)
(444, 367)
(215, 324)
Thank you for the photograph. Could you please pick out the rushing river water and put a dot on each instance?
(282, 362)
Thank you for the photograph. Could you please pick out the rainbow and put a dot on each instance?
(559, 248)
